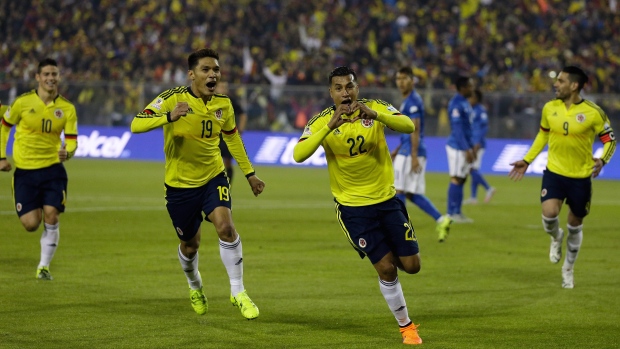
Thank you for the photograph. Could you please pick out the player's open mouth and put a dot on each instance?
(346, 101)
(211, 85)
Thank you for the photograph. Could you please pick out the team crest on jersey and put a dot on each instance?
(179, 231)
(580, 118)
(543, 193)
(362, 242)
(58, 113)
(368, 123)
(158, 102)
(18, 207)
(307, 131)
(218, 114)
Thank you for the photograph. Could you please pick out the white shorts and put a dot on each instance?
(478, 162)
(457, 163)
(407, 181)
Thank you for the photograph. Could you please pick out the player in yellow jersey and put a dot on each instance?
(40, 180)
(193, 118)
(374, 221)
(569, 125)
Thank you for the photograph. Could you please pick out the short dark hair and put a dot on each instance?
(478, 94)
(192, 60)
(576, 74)
(342, 71)
(461, 81)
(45, 63)
(407, 71)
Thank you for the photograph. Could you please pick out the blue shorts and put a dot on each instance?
(33, 189)
(576, 191)
(186, 205)
(378, 229)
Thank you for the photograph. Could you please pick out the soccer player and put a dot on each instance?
(222, 88)
(460, 147)
(568, 124)
(193, 118)
(410, 156)
(480, 126)
(40, 179)
(374, 221)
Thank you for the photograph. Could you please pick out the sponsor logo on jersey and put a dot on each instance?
(368, 123)
(58, 113)
(32, 111)
(218, 114)
(580, 118)
(362, 243)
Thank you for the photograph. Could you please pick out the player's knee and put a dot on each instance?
(31, 226)
(226, 232)
(412, 269)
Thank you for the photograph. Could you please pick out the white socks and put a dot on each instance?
(573, 244)
(190, 267)
(232, 257)
(49, 243)
(393, 294)
(551, 226)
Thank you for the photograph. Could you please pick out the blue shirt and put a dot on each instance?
(413, 107)
(461, 115)
(480, 125)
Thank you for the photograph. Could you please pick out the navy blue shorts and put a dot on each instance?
(576, 191)
(186, 205)
(378, 229)
(33, 189)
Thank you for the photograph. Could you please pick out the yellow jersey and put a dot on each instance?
(191, 144)
(38, 130)
(358, 157)
(570, 134)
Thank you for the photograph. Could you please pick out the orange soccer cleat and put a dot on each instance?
(410, 334)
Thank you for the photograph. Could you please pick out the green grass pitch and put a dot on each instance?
(118, 283)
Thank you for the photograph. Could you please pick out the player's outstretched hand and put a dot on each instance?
(518, 170)
(257, 185)
(5, 165)
(179, 110)
(598, 166)
(62, 153)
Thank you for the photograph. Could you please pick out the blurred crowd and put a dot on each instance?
(508, 45)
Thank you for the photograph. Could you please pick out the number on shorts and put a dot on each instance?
(223, 193)
(409, 233)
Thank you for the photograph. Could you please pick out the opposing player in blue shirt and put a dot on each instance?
(410, 155)
(480, 126)
(460, 147)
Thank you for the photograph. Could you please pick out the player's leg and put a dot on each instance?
(458, 168)
(217, 205)
(184, 208)
(552, 195)
(49, 241)
(402, 166)
(27, 198)
(578, 201)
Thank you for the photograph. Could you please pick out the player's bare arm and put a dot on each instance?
(257, 185)
(598, 166)
(179, 110)
(518, 170)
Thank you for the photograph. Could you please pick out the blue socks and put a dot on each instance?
(402, 197)
(455, 198)
(426, 205)
(477, 179)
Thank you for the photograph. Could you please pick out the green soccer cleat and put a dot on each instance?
(199, 301)
(248, 309)
(443, 228)
(43, 273)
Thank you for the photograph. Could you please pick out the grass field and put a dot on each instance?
(118, 283)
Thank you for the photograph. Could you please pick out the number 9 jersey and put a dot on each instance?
(38, 130)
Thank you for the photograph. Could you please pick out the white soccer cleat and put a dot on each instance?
(470, 201)
(555, 250)
(460, 218)
(489, 195)
(567, 278)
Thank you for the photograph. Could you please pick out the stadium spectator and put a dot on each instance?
(195, 180)
(459, 148)
(569, 125)
(40, 179)
(410, 155)
(362, 183)
(480, 126)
